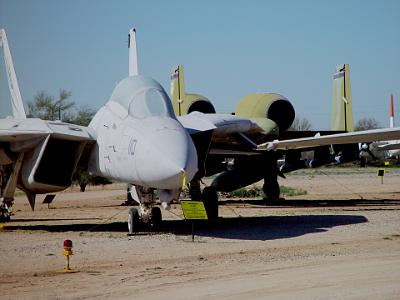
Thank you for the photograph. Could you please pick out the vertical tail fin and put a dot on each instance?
(177, 89)
(133, 64)
(391, 112)
(17, 105)
(342, 114)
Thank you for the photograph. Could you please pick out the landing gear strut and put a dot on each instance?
(209, 196)
(271, 186)
(133, 220)
(8, 183)
(5, 208)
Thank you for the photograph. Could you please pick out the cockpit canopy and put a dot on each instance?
(143, 97)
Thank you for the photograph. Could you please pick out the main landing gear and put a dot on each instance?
(209, 196)
(271, 186)
(5, 212)
(210, 201)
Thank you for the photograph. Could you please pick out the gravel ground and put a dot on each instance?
(254, 252)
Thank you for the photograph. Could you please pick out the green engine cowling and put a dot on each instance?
(193, 102)
(267, 106)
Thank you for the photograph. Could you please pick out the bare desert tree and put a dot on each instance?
(366, 124)
(300, 124)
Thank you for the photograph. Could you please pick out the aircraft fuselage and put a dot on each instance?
(145, 146)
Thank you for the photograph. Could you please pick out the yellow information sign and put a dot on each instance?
(381, 172)
(194, 210)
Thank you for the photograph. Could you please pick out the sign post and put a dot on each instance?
(193, 210)
(48, 199)
(381, 173)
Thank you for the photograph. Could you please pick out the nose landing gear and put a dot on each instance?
(148, 214)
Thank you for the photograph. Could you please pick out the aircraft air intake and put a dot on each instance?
(267, 105)
(49, 166)
(282, 113)
(201, 105)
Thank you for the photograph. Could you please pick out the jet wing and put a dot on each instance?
(230, 133)
(194, 123)
(342, 138)
(15, 130)
(222, 124)
(390, 146)
(232, 153)
(24, 132)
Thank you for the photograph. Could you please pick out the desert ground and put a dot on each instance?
(316, 250)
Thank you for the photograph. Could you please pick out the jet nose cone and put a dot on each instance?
(167, 157)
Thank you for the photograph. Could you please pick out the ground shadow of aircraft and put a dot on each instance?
(312, 203)
(278, 227)
(51, 220)
(241, 228)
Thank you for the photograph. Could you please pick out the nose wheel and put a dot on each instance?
(151, 217)
(155, 217)
(133, 220)
(147, 214)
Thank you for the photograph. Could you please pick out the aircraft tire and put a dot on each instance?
(133, 220)
(362, 162)
(271, 190)
(155, 217)
(4, 217)
(129, 198)
(210, 200)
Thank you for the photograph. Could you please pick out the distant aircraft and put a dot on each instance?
(392, 147)
(274, 114)
(136, 138)
(341, 121)
(262, 110)
(385, 149)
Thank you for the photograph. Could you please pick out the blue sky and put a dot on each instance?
(228, 48)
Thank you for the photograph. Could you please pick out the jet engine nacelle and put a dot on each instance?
(267, 105)
(193, 102)
(48, 167)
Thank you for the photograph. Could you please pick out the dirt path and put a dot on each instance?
(255, 252)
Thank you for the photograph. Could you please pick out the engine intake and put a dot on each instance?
(267, 105)
(50, 165)
(194, 102)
